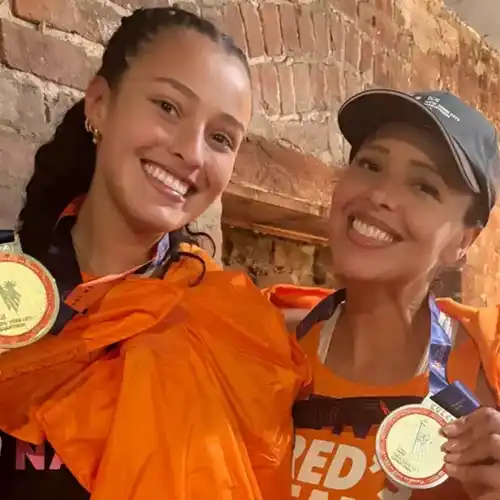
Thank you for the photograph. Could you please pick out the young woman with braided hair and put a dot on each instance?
(151, 384)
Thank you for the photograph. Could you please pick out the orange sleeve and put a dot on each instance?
(483, 326)
(295, 297)
(489, 347)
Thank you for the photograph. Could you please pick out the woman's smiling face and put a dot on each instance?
(398, 210)
(171, 130)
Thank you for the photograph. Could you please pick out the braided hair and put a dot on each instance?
(64, 166)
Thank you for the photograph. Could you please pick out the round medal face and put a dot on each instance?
(408, 447)
(29, 300)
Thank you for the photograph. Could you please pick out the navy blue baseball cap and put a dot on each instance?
(471, 137)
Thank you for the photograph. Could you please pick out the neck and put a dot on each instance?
(104, 242)
(380, 322)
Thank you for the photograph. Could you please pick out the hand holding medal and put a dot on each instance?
(473, 453)
(411, 444)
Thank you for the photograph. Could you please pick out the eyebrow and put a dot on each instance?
(190, 94)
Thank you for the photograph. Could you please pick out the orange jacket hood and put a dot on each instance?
(482, 324)
(193, 400)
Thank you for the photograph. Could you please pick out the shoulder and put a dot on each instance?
(482, 325)
(201, 254)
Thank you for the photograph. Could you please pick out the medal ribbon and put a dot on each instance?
(361, 413)
(76, 297)
(6, 236)
(439, 349)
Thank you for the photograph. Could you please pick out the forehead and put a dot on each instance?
(194, 59)
(408, 139)
(406, 144)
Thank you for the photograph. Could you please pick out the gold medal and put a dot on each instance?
(408, 445)
(29, 298)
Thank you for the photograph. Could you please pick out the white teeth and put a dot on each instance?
(371, 231)
(174, 183)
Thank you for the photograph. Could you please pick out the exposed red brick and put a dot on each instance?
(287, 91)
(56, 107)
(21, 104)
(302, 84)
(385, 6)
(136, 4)
(389, 54)
(336, 35)
(91, 19)
(306, 29)
(380, 68)
(428, 67)
(256, 87)
(233, 25)
(322, 32)
(398, 16)
(270, 88)
(318, 86)
(352, 82)
(16, 164)
(405, 44)
(352, 45)
(367, 18)
(467, 87)
(387, 32)
(333, 79)
(190, 7)
(450, 75)
(45, 56)
(397, 77)
(214, 15)
(289, 27)
(348, 7)
(272, 29)
(16, 157)
(253, 30)
(366, 61)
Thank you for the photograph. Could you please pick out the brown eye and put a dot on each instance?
(167, 107)
(428, 189)
(223, 140)
(367, 164)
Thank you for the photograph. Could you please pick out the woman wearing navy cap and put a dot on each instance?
(419, 188)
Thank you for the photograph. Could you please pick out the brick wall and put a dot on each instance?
(306, 58)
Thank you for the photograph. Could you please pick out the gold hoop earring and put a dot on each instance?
(92, 130)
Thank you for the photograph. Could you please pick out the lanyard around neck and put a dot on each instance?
(440, 341)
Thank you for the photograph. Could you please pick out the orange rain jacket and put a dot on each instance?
(194, 402)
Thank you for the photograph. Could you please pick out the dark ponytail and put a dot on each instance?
(64, 166)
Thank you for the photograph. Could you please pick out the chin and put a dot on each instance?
(156, 221)
(361, 270)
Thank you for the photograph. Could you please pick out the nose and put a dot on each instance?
(189, 144)
(385, 193)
